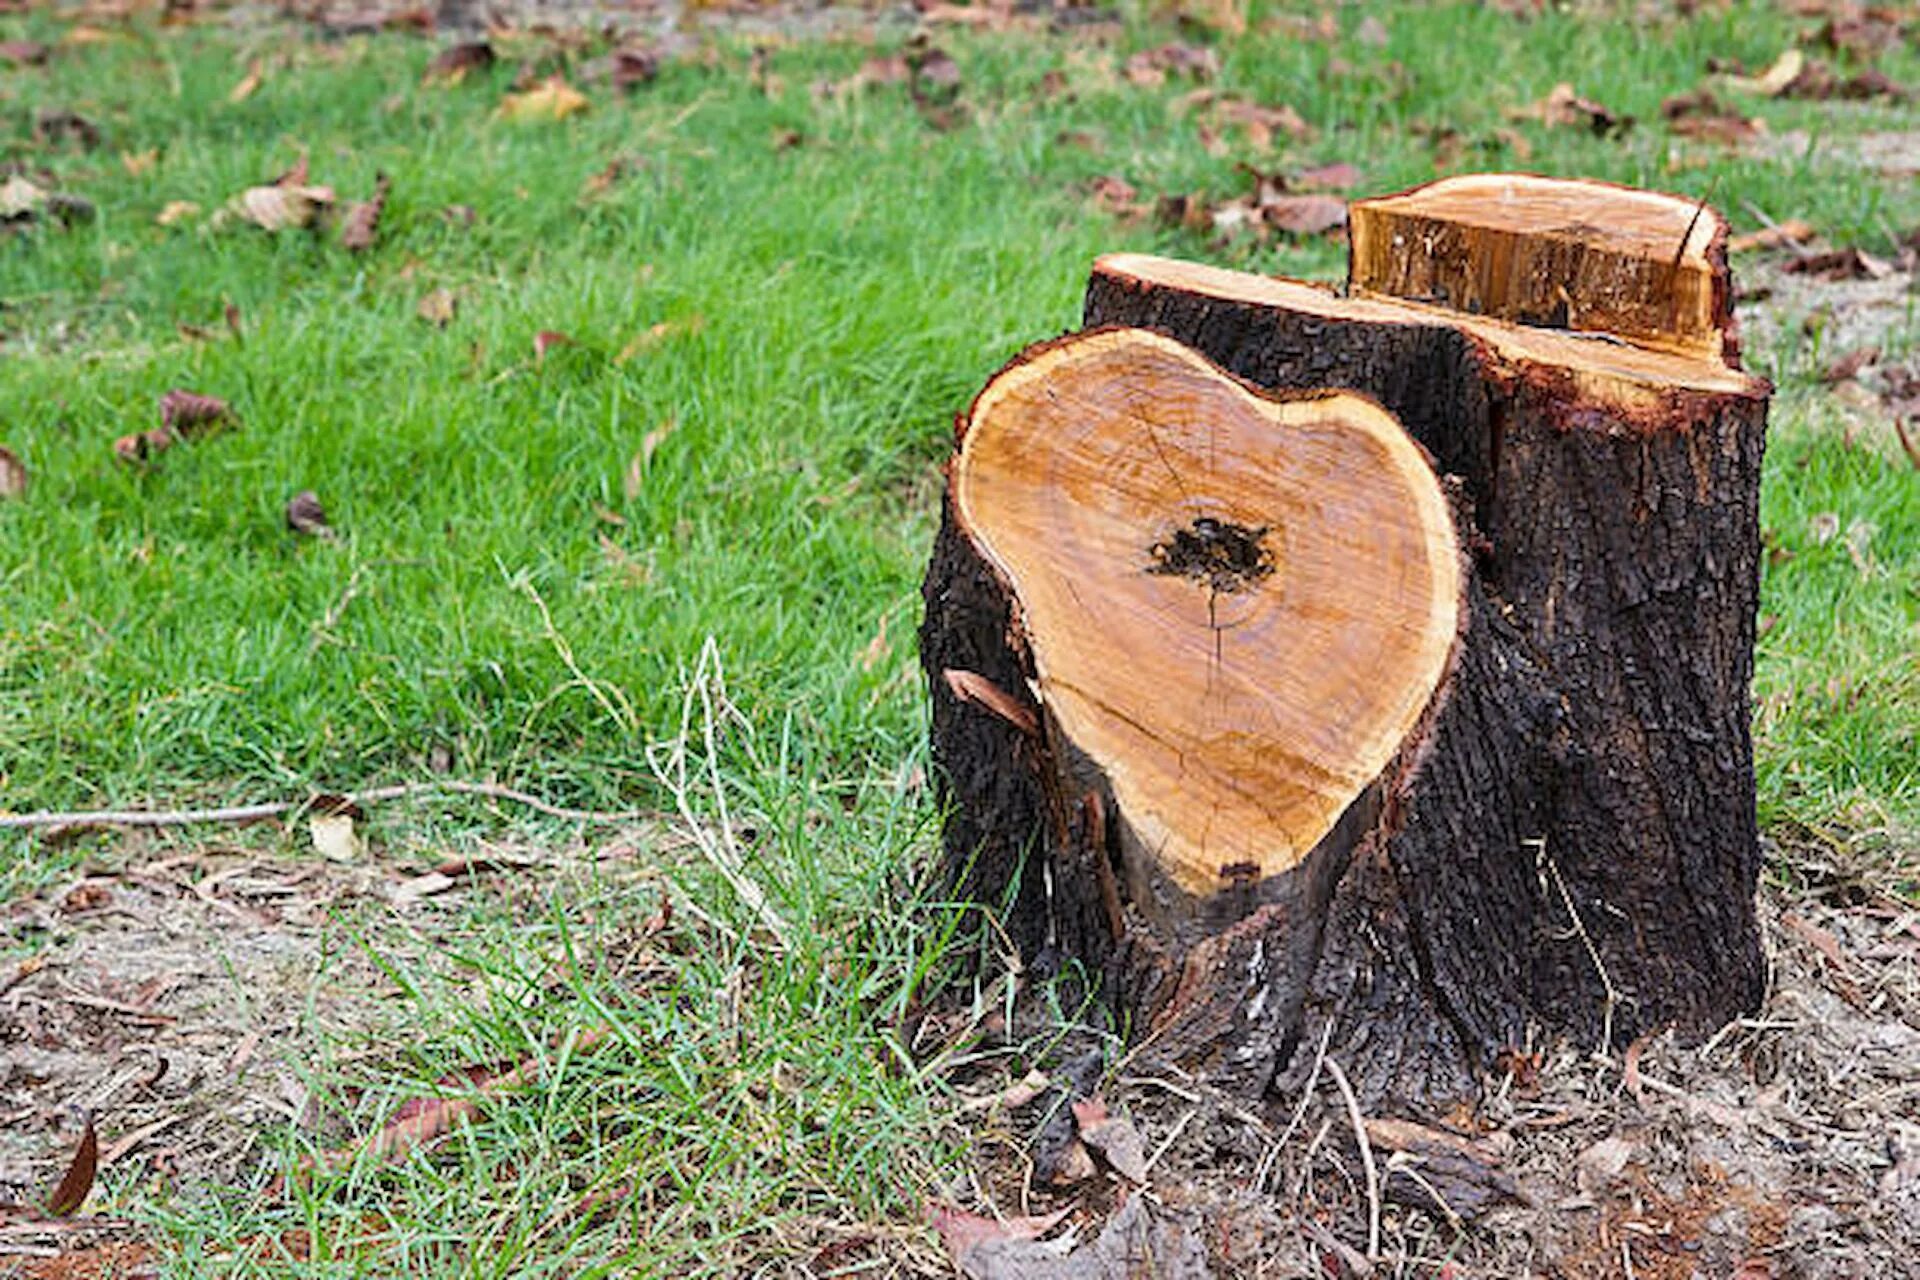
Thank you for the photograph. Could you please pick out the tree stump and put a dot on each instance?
(1366, 672)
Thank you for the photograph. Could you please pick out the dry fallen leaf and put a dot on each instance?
(306, 515)
(56, 128)
(1339, 176)
(175, 211)
(1117, 197)
(551, 99)
(546, 340)
(1822, 528)
(437, 308)
(188, 413)
(1701, 115)
(626, 68)
(971, 686)
(1792, 231)
(139, 163)
(651, 442)
(451, 64)
(655, 334)
(23, 53)
(142, 445)
(1840, 264)
(247, 86)
(283, 207)
(1304, 215)
(13, 474)
(1775, 80)
(1849, 365)
(961, 1231)
(334, 838)
(1113, 1138)
(20, 199)
(77, 1181)
(1151, 67)
(1604, 1161)
(1563, 107)
(362, 222)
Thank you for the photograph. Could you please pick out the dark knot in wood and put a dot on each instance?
(1227, 557)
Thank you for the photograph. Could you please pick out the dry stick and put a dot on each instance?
(1366, 1158)
(1593, 952)
(273, 809)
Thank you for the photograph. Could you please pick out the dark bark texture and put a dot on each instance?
(1568, 844)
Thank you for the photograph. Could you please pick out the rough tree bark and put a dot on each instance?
(1559, 839)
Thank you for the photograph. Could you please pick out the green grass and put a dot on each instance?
(498, 595)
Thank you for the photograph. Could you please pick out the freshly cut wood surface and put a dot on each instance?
(1238, 606)
(1557, 253)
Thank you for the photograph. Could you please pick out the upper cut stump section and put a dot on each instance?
(1554, 253)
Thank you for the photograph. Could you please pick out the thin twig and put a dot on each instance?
(273, 809)
(668, 760)
(1366, 1158)
(1593, 952)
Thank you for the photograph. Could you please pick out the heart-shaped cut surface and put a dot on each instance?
(1238, 605)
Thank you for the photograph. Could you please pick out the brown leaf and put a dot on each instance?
(626, 68)
(77, 1181)
(1864, 35)
(602, 182)
(635, 476)
(1908, 443)
(1340, 176)
(283, 206)
(971, 686)
(187, 413)
(547, 339)
(306, 515)
(961, 1231)
(13, 475)
(248, 84)
(23, 53)
(655, 334)
(1113, 1138)
(139, 163)
(21, 200)
(363, 218)
(1792, 231)
(1701, 115)
(1304, 215)
(1840, 264)
(652, 441)
(553, 99)
(142, 445)
(437, 308)
(419, 1122)
(175, 211)
(1151, 67)
(1847, 366)
(1116, 197)
(1819, 83)
(891, 70)
(1563, 107)
(452, 64)
(54, 128)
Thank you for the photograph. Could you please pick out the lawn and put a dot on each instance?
(772, 286)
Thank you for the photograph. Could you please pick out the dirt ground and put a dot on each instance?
(183, 993)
